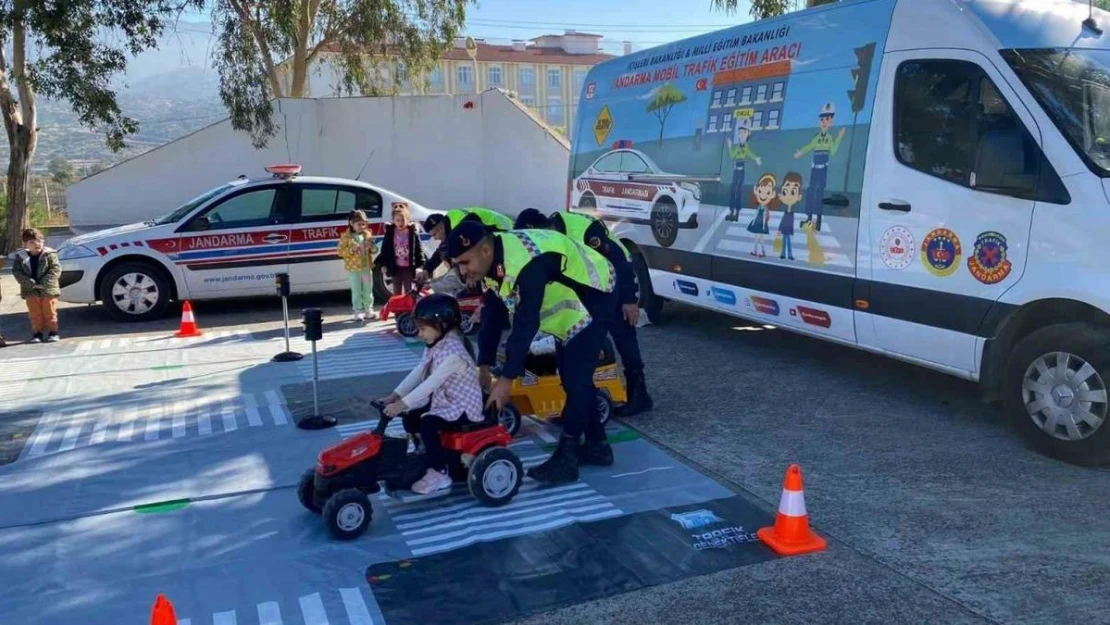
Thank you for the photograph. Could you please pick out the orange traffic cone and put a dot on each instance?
(188, 323)
(791, 535)
(163, 612)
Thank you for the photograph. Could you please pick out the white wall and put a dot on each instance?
(428, 148)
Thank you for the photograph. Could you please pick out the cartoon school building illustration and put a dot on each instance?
(758, 91)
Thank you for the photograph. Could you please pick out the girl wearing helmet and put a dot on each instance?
(443, 388)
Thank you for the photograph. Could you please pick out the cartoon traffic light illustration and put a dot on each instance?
(861, 75)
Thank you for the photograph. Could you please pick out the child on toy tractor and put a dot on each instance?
(443, 388)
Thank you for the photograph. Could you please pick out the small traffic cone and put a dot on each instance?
(163, 612)
(188, 323)
(791, 536)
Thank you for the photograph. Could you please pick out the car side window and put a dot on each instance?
(951, 122)
(255, 208)
(332, 204)
(633, 164)
(609, 163)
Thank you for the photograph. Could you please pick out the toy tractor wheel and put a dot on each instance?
(604, 406)
(510, 419)
(306, 489)
(347, 514)
(468, 325)
(495, 476)
(406, 325)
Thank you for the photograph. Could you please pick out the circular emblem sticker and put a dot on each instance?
(940, 252)
(896, 247)
(988, 262)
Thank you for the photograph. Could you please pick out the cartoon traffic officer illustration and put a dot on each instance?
(740, 152)
(824, 147)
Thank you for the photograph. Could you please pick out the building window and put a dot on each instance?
(716, 99)
(554, 78)
(493, 76)
(761, 94)
(730, 99)
(757, 120)
(528, 101)
(773, 118)
(403, 76)
(579, 80)
(746, 96)
(436, 79)
(527, 77)
(555, 110)
(726, 123)
(465, 75)
(712, 124)
(776, 92)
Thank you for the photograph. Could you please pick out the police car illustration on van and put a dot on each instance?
(922, 179)
(230, 241)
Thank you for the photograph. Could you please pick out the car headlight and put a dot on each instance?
(693, 188)
(73, 252)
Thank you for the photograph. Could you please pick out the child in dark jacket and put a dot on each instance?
(401, 253)
(38, 272)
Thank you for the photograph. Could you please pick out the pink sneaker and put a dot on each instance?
(433, 481)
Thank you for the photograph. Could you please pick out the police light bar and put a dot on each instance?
(623, 144)
(284, 172)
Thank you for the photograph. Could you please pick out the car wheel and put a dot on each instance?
(135, 291)
(664, 222)
(1056, 392)
(347, 514)
(587, 201)
(306, 490)
(510, 419)
(495, 476)
(604, 406)
(383, 286)
(650, 303)
(406, 325)
(468, 325)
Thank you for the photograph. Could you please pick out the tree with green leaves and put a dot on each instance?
(61, 171)
(362, 38)
(67, 51)
(763, 9)
(662, 101)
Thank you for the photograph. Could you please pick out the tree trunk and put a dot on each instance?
(19, 176)
(300, 74)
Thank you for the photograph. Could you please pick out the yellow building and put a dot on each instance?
(547, 73)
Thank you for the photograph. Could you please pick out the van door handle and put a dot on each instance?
(902, 207)
(836, 200)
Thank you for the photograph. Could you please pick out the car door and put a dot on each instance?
(954, 172)
(237, 245)
(321, 218)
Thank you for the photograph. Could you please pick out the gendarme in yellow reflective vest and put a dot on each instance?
(576, 229)
(562, 315)
(488, 218)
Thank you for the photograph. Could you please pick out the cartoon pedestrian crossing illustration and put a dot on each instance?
(810, 248)
(75, 428)
(343, 606)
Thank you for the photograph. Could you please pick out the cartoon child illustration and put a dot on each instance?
(824, 147)
(765, 196)
(740, 152)
(790, 195)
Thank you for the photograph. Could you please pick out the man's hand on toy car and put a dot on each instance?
(631, 313)
(499, 394)
(485, 378)
(395, 408)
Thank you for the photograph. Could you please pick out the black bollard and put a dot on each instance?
(281, 283)
(313, 319)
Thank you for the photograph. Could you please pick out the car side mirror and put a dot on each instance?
(201, 223)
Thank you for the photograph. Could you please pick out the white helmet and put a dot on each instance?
(828, 109)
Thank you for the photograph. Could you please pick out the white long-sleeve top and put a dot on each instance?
(417, 387)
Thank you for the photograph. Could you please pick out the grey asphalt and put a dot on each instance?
(935, 510)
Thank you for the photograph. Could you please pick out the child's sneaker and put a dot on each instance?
(433, 481)
(360, 316)
(3, 343)
(53, 337)
(37, 338)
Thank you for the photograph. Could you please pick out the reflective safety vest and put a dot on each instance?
(576, 229)
(490, 219)
(562, 314)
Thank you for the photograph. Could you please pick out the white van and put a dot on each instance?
(925, 179)
(230, 241)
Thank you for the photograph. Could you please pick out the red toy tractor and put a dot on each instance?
(402, 307)
(346, 474)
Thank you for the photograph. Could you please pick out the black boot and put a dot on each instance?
(597, 451)
(562, 466)
(638, 398)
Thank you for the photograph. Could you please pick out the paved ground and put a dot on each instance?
(935, 510)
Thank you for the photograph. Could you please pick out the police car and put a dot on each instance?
(231, 241)
(626, 184)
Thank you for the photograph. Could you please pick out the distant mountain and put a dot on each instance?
(186, 83)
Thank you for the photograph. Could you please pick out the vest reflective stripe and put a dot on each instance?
(488, 218)
(577, 224)
(562, 314)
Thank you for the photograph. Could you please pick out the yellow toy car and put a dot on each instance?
(539, 393)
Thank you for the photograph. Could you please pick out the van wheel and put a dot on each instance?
(650, 303)
(1056, 392)
(383, 287)
(135, 291)
(664, 222)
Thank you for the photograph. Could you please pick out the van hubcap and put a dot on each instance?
(1065, 396)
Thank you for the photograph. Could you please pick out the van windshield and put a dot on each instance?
(1073, 87)
(189, 206)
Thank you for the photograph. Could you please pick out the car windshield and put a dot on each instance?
(1073, 87)
(189, 206)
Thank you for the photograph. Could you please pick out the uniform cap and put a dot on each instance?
(464, 237)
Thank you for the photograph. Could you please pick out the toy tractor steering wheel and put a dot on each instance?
(383, 419)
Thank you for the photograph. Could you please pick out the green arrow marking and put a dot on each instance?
(161, 507)
(167, 367)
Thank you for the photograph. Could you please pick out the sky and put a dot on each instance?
(644, 23)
